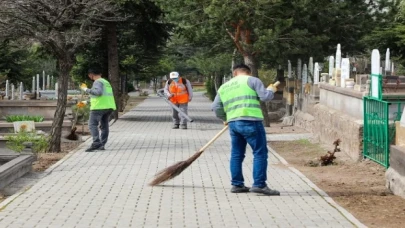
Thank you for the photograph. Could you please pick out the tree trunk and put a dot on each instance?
(113, 66)
(218, 81)
(233, 59)
(250, 61)
(65, 66)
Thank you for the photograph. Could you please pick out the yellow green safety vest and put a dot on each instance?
(106, 100)
(239, 99)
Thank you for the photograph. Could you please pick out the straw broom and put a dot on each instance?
(174, 170)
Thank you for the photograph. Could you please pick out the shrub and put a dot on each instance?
(14, 118)
(210, 87)
(16, 142)
(82, 110)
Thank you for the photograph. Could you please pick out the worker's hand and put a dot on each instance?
(272, 88)
(225, 123)
(83, 87)
(189, 99)
(84, 102)
(170, 95)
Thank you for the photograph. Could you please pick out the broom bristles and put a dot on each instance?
(174, 170)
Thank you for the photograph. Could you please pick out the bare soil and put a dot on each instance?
(357, 187)
(279, 128)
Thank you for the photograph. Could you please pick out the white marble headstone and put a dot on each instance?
(345, 71)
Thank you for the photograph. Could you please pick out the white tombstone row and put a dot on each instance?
(43, 80)
(56, 90)
(38, 86)
(375, 71)
(12, 91)
(289, 69)
(33, 85)
(387, 61)
(345, 71)
(21, 91)
(338, 57)
(316, 73)
(299, 69)
(304, 77)
(7, 88)
(310, 69)
(331, 63)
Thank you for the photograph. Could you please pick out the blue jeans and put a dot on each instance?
(245, 132)
(99, 118)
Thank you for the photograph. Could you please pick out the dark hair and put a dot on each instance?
(94, 70)
(241, 67)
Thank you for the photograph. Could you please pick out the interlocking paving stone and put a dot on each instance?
(110, 188)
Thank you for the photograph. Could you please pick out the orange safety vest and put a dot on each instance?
(179, 90)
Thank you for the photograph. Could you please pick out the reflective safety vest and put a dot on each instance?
(179, 90)
(239, 99)
(106, 100)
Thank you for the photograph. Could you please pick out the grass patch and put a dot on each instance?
(14, 118)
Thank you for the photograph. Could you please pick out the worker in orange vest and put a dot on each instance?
(179, 92)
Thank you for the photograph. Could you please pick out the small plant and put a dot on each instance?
(17, 142)
(81, 111)
(329, 158)
(14, 118)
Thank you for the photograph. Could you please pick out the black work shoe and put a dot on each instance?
(183, 126)
(94, 148)
(239, 189)
(266, 191)
(176, 126)
(101, 148)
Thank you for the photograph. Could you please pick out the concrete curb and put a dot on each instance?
(327, 198)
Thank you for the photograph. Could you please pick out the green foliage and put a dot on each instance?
(14, 118)
(267, 76)
(210, 87)
(275, 31)
(130, 87)
(389, 33)
(81, 113)
(20, 62)
(141, 40)
(16, 142)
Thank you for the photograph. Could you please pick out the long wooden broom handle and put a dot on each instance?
(215, 138)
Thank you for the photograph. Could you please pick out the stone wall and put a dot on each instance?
(395, 175)
(328, 124)
(32, 108)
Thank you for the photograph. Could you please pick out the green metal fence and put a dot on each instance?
(379, 128)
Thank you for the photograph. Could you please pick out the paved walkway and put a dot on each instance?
(109, 189)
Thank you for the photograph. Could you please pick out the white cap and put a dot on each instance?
(174, 74)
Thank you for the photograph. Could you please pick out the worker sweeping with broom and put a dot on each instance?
(237, 104)
(179, 91)
(102, 104)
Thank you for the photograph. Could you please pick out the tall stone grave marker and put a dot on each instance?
(345, 71)
(375, 74)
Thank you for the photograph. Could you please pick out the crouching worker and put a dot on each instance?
(102, 104)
